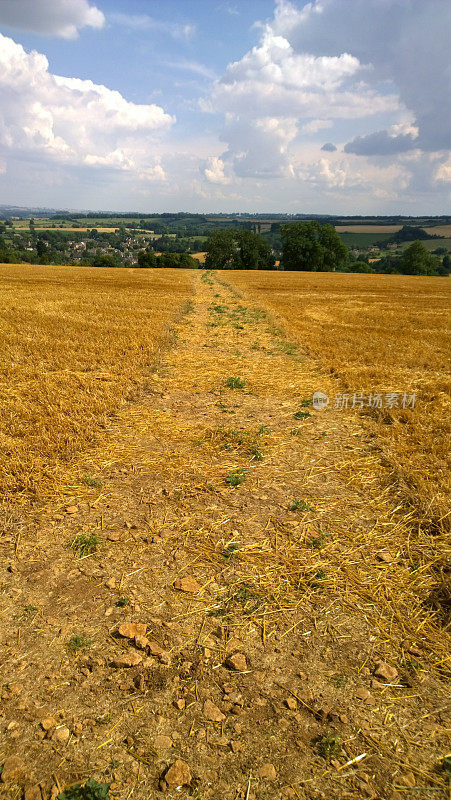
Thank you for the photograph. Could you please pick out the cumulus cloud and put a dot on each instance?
(51, 17)
(71, 121)
(267, 93)
(214, 170)
(329, 147)
(380, 144)
(404, 41)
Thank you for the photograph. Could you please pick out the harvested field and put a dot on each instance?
(75, 345)
(234, 607)
(367, 228)
(380, 334)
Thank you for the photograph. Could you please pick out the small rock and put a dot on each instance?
(113, 537)
(362, 694)
(233, 644)
(13, 768)
(383, 555)
(71, 509)
(187, 584)
(377, 684)
(180, 704)
(141, 642)
(154, 648)
(48, 723)
(162, 742)
(131, 629)
(178, 774)
(61, 734)
(212, 712)
(236, 745)
(291, 703)
(237, 662)
(33, 793)
(267, 771)
(385, 672)
(110, 583)
(128, 660)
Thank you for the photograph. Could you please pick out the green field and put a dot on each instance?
(363, 240)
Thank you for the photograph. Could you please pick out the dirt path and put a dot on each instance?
(225, 520)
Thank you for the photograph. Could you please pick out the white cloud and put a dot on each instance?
(214, 171)
(325, 65)
(143, 22)
(51, 17)
(72, 121)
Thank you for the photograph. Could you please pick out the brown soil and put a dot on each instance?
(312, 597)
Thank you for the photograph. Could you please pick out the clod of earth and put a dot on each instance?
(13, 769)
(212, 712)
(131, 629)
(178, 774)
(385, 672)
(236, 662)
(187, 584)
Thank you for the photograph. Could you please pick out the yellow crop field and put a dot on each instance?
(379, 334)
(74, 345)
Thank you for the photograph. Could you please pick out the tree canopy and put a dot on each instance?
(416, 260)
(238, 249)
(313, 247)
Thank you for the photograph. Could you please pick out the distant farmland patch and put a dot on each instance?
(364, 240)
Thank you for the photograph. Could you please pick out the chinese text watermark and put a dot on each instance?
(360, 400)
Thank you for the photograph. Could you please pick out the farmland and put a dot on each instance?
(74, 346)
(199, 564)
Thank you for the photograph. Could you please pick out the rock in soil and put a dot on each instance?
(178, 774)
(385, 672)
(13, 768)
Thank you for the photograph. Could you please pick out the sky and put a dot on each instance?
(329, 106)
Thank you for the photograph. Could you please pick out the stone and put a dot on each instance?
(141, 642)
(385, 672)
(13, 769)
(178, 774)
(154, 648)
(48, 723)
(291, 703)
(187, 584)
(127, 660)
(212, 712)
(237, 662)
(236, 746)
(61, 734)
(110, 583)
(362, 694)
(267, 771)
(131, 629)
(180, 704)
(71, 509)
(162, 742)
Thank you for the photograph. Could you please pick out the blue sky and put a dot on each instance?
(337, 106)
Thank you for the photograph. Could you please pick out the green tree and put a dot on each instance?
(105, 260)
(147, 259)
(312, 246)
(416, 260)
(252, 251)
(220, 248)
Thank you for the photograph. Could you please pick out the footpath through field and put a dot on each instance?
(233, 607)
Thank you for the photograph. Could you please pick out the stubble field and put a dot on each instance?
(211, 590)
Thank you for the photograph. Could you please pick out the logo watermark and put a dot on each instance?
(360, 400)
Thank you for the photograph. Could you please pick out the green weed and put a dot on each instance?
(302, 414)
(300, 505)
(77, 642)
(235, 382)
(89, 480)
(328, 745)
(85, 544)
(235, 477)
(91, 790)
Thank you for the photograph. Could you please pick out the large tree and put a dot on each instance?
(416, 260)
(238, 249)
(313, 247)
